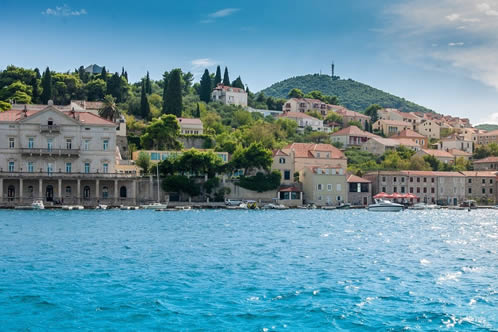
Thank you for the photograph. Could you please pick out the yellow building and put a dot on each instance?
(391, 127)
(324, 185)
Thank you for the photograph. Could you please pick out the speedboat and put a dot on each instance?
(344, 206)
(381, 205)
(37, 204)
(423, 206)
(155, 206)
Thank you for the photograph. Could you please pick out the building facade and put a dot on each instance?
(486, 164)
(391, 127)
(324, 185)
(190, 126)
(60, 156)
(229, 95)
(304, 120)
(351, 136)
(359, 190)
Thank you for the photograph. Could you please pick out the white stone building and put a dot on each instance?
(229, 95)
(60, 156)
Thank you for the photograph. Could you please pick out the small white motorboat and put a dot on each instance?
(102, 207)
(381, 205)
(38, 205)
(424, 206)
(73, 207)
(154, 206)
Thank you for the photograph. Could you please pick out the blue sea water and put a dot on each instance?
(224, 270)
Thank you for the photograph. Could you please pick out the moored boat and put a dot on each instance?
(381, 205)
(38, 205)
(154, 206)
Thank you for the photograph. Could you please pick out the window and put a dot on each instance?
(86, 192)
(329, 187)
(68, 191)
(490, 181)
(411, 190)
(338, 187)
(432, 191)
(418, 179)
(287, 175)
(383, 179)
(49, 144)
(105, 168)
(12, 142)
(30, 167)
(470, 180)
(425, 180)
(105, 145)
(483, 190)
(411, 178)
(402, 179)
(394, 179)
(31, 143)
(395, 189)
(319, 186)
(105, 192)
(86, 144)
(50, 168)
(490, 190)
(69, 143)
(384, 189)
(432, 180)
(483, 181)
(425, 190)
(123, 192)
(11, 166)
(154, 156)
(319, 198)
(87, 168)
(68, 167)
(418, 190)
(339, 198)
(402, 190)
(281, 160)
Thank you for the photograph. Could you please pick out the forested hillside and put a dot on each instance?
(353, 95)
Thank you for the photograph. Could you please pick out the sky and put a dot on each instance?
(440, 54)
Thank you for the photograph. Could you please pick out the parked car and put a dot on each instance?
(233, 202)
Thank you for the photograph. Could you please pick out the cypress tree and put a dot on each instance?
(238, 83)
(36, 87)
(144, 103)
(126, 76)
(217, 77)
(173, 101)
(148, 85)
(46, 83)
(165, 90)
(103, 74)
(198, 111)
(205, 90)
(226, 79)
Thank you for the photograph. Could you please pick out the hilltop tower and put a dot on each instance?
(332, 67)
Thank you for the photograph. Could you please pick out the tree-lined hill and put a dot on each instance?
(487, 126)
(353, 95)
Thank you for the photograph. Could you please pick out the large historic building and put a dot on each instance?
(61, 156)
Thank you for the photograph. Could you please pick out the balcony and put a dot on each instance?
(50, 129)
(5, 174)
(51, 152)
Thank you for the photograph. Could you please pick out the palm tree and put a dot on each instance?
(110, 109)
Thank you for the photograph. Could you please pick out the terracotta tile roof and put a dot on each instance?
(386, 141)
(190, 121)
(353, 131)
(290, 189)
(407, 142)
(490, 133)
(90, 118)
(457, 152)
(298, 115)
(279, 152)
(432, 173)
(229, 88)
(356, 179)
(409, 133)
(395, 123)
(487, 160)
(480, 173)
(308, 100)
(346, 112)
(437, 153)
(303, 150)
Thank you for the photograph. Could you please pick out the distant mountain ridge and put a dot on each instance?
(352, 94)
(487, 126)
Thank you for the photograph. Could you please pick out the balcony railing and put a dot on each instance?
(5, 174)
(51, 152)
(50, 128)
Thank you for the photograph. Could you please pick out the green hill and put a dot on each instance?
(353, 95)
(487, 126)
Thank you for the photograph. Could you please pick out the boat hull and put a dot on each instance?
(385, 208)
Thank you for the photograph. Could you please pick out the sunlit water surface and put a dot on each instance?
(248, 270)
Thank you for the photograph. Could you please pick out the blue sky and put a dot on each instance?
(441, 54)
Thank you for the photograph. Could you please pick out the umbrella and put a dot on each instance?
(382, 195)
(396, 195)
(410, 196)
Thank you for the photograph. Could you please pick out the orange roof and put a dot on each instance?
(229, 88)
(395, 123)
(480, 173)
(190, 121)
(437, 153)
(356, 179)
(410, 134)
(457, 152)
(353, 131)
(303, 150)
(290, 189)
(481, 161)
(346, 112)
(490, 133)
(406, 142)
(308, 100)
(279, 152)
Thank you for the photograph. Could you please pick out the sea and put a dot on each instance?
(223, 270)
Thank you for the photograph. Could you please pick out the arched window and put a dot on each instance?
(105, 192)
(122, 192)
(49, 193)
(68, 191)
(86, 192)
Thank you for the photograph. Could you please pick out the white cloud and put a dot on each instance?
(205, 62)
(224, 12)
(490, 119)
(64, 10)
(426, 22)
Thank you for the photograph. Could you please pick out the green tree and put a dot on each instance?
(143, 161)
(173, 100)
(433, 162)
(296, 93)
(148, 85)
(46, 83)
(238, 83)
(144, 102)
(418, 163)
(217, 77)
(181, 184)
(95, 89)
(162, 133)
(103, 74)
(165, 90)
(314, 113)
(372, 112)
(333, 117)
(254, 156)
(198, 112)
(110, 110)
(226, 78)
(205, 90)
(4, 106)
(198, 163)
(115, 87)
